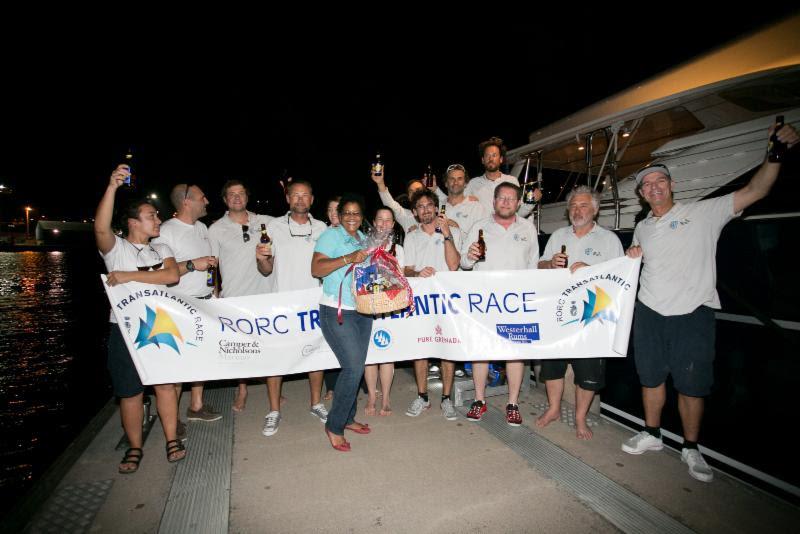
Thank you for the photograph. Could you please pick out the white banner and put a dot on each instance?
(463, 316)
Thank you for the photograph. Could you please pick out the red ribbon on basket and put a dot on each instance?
(375, 254)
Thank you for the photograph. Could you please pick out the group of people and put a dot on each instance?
(673, 322)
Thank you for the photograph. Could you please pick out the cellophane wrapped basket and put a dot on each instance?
(378, 282)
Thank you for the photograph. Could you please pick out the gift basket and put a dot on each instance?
(378, 282)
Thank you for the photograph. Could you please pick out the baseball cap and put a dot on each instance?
(657, 167)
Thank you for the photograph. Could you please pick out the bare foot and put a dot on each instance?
(548, 417)
(239, 402)
(369, 410)
(582, 430)
(328, 395)
(385, 411)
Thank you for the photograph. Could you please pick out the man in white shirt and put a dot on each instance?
(287, 259)
(233, 242)
(511, 243)
(674, 321)
(493, 155)
(432, 247)
(402, 215)
(586, 243)
(135, 259)
(462, 209)
(188, 239)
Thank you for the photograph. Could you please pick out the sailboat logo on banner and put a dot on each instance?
(159, 329)
(598, 306)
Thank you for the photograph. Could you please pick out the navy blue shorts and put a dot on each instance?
(124, 379)
(590, 373)
(680, 345)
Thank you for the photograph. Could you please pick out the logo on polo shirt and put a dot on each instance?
(519, 333)
(158, 329)
(591, 252)
(674, 224)
(382, 339)
(518, 237)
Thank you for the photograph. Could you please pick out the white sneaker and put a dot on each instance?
(448, 411)
(271, 422)
(642, 442)
(417, 406)
(698, 467)
(319, 410)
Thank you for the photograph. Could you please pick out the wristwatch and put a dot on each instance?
(189, 266)
(448, 238)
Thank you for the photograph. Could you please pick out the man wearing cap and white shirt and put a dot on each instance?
(511, 243)
(188, 239)
(433, 247)
(462, 209)
(493, 154)
(288, 260)
(674, 318)
(587, 243)
(233, 241)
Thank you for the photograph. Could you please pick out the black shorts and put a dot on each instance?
(590, 373)
(124, 378)
(680, 345)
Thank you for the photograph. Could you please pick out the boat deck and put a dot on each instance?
(423, 474)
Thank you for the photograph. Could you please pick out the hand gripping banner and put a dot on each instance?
(462, 316)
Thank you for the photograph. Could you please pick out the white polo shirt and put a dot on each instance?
(126, 256)
(483, 188)
(188, 241)
(679, 249)
(465, 213)
(597, 246)
(292, 255)
(237, 258)
(427, 250)
(506, 249)
(402, 215)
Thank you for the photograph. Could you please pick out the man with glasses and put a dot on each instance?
(493, 154)
(674, 321)
(188, 238)
(511, 243)
(287, 259)
(433, 247)
(233, 242)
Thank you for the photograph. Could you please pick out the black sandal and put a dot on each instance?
(131, 458)
(174, 446)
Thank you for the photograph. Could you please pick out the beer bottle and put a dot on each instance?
(481, 246)
(211, 276)
(564, 252)
(429, 176)
(527, 193)
(264, 236)
(776, 149)
(129, 162)
(441, 212)
(377, 165)
(393, 249)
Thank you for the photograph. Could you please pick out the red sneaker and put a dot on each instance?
(477, 409)
(513, 416)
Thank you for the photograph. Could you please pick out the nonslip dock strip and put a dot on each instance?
(622, 508)
(199, 500)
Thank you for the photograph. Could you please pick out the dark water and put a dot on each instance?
(53, 329)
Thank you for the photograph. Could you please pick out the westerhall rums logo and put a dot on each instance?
(159, 329)
(598, 306)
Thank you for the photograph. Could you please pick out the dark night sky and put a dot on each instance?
(317, 102)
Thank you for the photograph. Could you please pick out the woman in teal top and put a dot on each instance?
(336, 249)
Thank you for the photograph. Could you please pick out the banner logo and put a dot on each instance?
(157, 330)
(598, 306)
(519, 333)
(382, 339)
